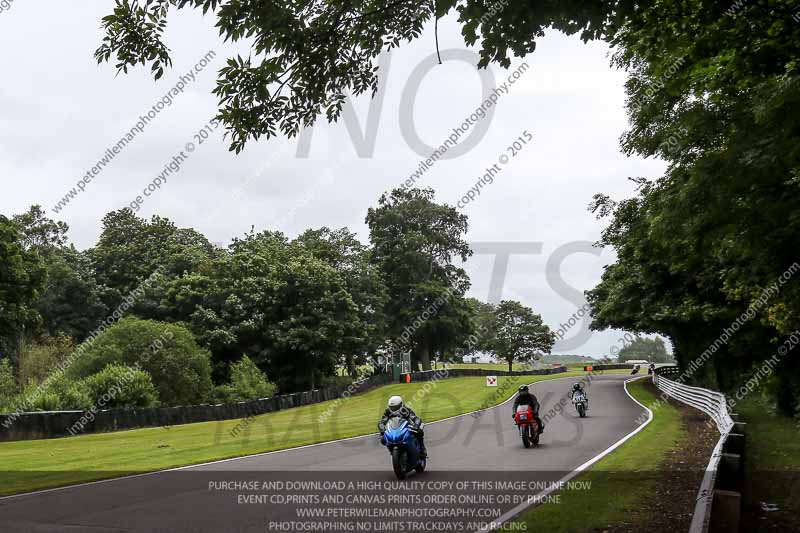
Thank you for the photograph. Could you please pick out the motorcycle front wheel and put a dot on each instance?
(526, 441)
(399, 463)
(582, 410)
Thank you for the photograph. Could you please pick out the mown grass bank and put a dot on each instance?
(37, 464)
(620, 482)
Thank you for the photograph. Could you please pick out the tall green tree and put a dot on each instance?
(39, 232)
(307, 57)
(131, 249)
(484, 327)
(342, 250)
(415, 242)
(519, 334)
(71, 302)
(653, 350)
(22, 278)
(718, 97)
(317, 321)
(290, 313)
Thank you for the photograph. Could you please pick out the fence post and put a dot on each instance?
(726, 511)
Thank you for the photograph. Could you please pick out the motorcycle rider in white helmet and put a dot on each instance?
(396, 408)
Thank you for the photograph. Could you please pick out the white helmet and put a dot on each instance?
(395, 403)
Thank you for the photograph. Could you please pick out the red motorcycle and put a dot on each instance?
(527, 426)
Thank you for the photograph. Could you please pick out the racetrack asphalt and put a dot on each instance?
(478, 469)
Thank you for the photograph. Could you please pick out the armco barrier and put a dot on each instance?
(718, 500)
(50, 424)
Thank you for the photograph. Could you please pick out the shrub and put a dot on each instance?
(179, 368)
(335, 381)
(36, 361)
(114, 386)
(247, 383)
(8, 385)
(120, 386)
(47, 401)
(61, 394)
(74, 396)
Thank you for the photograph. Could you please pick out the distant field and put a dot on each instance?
(484, 366)
(37, 464)
(578, 366)
(495, 366)
(517, 366)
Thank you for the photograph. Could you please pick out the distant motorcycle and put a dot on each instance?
(404, 447)
(527, 426)
(581, 402)
(635, 369)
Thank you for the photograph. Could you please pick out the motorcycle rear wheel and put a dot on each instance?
(526, 441)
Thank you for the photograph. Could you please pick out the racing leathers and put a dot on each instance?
(529, 399)
(414, 421)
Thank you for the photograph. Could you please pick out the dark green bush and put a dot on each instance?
(120, 386)
(61, 394)
(247, 383)
(179, 368)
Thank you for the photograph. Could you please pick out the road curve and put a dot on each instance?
(478, 470)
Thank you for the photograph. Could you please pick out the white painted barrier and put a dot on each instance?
(715, 406)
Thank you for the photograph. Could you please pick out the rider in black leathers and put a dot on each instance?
(397, 408)
(577, 387)
(526, 397)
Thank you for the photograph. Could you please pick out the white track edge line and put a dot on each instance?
(261, 454)
(496, 523)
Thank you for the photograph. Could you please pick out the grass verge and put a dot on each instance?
(772, 467)
(772, 443)
(619, 482)
(38, 464)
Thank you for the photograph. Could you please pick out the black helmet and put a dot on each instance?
(577, 386)
(523, 388)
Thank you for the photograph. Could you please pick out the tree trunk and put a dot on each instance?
(351, 366)
(510, 364)
(16, 358)
(425, 356)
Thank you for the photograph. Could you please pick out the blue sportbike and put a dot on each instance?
(402, 442)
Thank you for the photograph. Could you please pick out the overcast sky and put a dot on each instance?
(61, 111)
